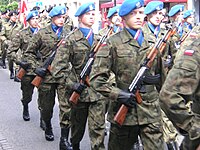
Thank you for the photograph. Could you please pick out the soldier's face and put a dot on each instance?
(33, 22)
(13, 18)
(59, 20)
(190, 19)
(155, 17)
(87, 19)
(116, 19)
(135, 19)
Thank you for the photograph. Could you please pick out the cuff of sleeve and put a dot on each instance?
(114, 93)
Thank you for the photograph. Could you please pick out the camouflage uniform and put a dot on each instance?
(42, 43)
(90, 106)
(8, 31)
(182, 85)
(169, 131)
(123, 57)
(21, 41)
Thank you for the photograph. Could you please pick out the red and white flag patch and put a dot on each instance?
(103, 44)
(189, 52)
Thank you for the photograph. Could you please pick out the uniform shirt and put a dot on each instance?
(43, 43)
(73, 52)
(20, 41)
(124, 57)
(182, 85)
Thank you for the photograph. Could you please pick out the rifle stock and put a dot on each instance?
(121, 114)
(37, 81)
(21, 73)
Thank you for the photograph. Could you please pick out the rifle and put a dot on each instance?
(84, 75)
(37, 80)
(137, 82)
(182, 39)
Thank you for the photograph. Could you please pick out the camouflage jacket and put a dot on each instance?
(124, 57)
(73, 53)
(40, 47)
(9, 30)
(182, 85)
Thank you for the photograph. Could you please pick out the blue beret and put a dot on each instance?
(129, 5)
(57, 10)
(31, 14)
(112, 11)
(175, 9)
(153, 6)
(188, 13)
(84, 9)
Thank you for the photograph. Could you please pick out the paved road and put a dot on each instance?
(16, 134)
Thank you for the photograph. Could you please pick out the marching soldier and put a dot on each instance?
(75, 51)
(152, 30)
(43, 42)
(114, 19)
(127, 50)
(181, 86)
(21, 41)
(188, 17)
(8, 31)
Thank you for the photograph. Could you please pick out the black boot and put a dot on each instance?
(3, 64)
(12, 76)
(26, 116)
(76, 146)
(64, 144)
(16, 79)
(48, 131)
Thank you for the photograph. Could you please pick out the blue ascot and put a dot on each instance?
(88, 34)
(154, 29)
(137, 35)
(180, 29)
(189, 26)
(57, 30)
(116, 29)
(34, 30)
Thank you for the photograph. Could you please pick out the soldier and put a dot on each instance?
(114, 19)
(127, 50)
(68, 20)
(181, 86)
(75, 51)
(8, 31)
(188, 16)
(152, 30)
(43, 42)
(21, 41)
(176, 14)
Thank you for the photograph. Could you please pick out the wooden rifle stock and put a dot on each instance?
(121, 114)
(21, 73)
(37, 81)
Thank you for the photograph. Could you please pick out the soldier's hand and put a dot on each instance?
(41, 72)
(79, 87)
(25, 65)
(127, 99)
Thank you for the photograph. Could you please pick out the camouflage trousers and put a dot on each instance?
(65, 108)
(27, 88)
(46, 100)
(95, 113)
(124, 137)
(188, 144)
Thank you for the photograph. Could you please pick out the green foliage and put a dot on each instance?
(6, 5)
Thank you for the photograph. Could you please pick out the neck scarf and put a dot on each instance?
(154, 29)
(137, 35)
(88, 34)
(34, 30)
(57, 30)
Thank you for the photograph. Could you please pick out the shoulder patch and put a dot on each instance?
(189, 52)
